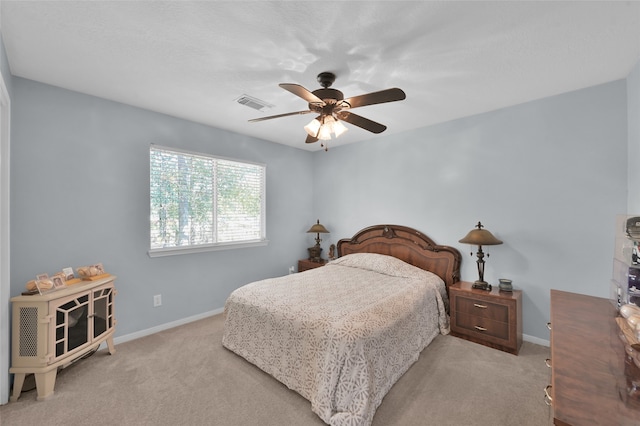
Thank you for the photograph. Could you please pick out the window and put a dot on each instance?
(200, 202)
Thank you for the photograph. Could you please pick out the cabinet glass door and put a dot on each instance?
(102, 311)
(72, 326)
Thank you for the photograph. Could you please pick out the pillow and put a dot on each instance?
(380, 263)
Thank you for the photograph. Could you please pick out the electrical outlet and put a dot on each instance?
(157, 300)
(291, 270)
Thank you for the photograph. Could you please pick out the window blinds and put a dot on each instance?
(203, 200)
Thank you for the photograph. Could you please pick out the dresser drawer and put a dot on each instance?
(481, 326)
(482, 308)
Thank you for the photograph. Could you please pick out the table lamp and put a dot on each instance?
(480, 237)
(314, 252)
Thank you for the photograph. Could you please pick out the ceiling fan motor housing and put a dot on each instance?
(325, 94)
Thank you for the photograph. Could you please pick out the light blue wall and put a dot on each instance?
(633, 122)
(80, 195)
(547, 177)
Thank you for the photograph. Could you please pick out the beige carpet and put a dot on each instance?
(184, 376)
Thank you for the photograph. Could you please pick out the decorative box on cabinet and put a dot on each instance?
(306, 264)
(491, 318)
(56, 328)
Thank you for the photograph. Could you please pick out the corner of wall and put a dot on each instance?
(633, 137)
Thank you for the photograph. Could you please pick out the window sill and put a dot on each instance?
(173, 251)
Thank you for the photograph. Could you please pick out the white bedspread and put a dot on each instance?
(340, 335)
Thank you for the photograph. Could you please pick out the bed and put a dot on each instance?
(343, 334)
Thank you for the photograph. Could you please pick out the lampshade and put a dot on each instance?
(339, 128)
(480, 237)
(313, 127)
(318, 228)
(324, 133)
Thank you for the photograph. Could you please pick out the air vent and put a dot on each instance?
(254, 103)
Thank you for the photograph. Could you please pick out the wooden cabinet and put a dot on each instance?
(306, 264)
(491, 318)
(54, 329)
(593, 381)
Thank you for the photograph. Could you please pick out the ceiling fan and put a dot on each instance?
(332, 107)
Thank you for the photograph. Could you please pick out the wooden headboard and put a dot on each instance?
(408, 245)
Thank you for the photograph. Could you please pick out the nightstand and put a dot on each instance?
(306, 264)
(491, 318)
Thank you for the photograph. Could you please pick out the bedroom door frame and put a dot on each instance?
(5, 244)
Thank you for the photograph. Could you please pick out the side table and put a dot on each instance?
(491, 318)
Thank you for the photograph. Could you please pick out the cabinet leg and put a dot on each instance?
(112, 348)
(18, 381)
(45, 383)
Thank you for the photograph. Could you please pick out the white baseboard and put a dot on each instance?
(158, 328)
(536, 340)
(167, 326)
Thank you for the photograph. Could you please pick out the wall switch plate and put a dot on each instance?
(157, 300)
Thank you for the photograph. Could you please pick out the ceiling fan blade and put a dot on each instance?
(362, 122)
(311, 139)
(300, 91)
(280, 115)
(388, 95)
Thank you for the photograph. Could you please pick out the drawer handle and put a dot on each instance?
(477, 327)
(549, 325)
(547, 398)
(477, 305)
(547, 362)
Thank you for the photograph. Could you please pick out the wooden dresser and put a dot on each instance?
(491, 318)
(588, 363)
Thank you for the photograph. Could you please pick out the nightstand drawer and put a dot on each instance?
(480, 326)
(482, 308)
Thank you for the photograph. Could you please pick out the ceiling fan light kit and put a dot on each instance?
(332, 107)
(323, 126)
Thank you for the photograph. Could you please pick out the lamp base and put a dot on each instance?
(482, 285)
(314, 253)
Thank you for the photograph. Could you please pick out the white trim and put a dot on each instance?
(167, 326)
(183, 321)
(203, 154)
(172, 251)
(536, 340)
(5, 241)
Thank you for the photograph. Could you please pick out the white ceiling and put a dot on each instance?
(193, 59)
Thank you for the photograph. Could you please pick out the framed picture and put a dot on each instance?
(58, 281)
(68, 273)
(44, 283)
